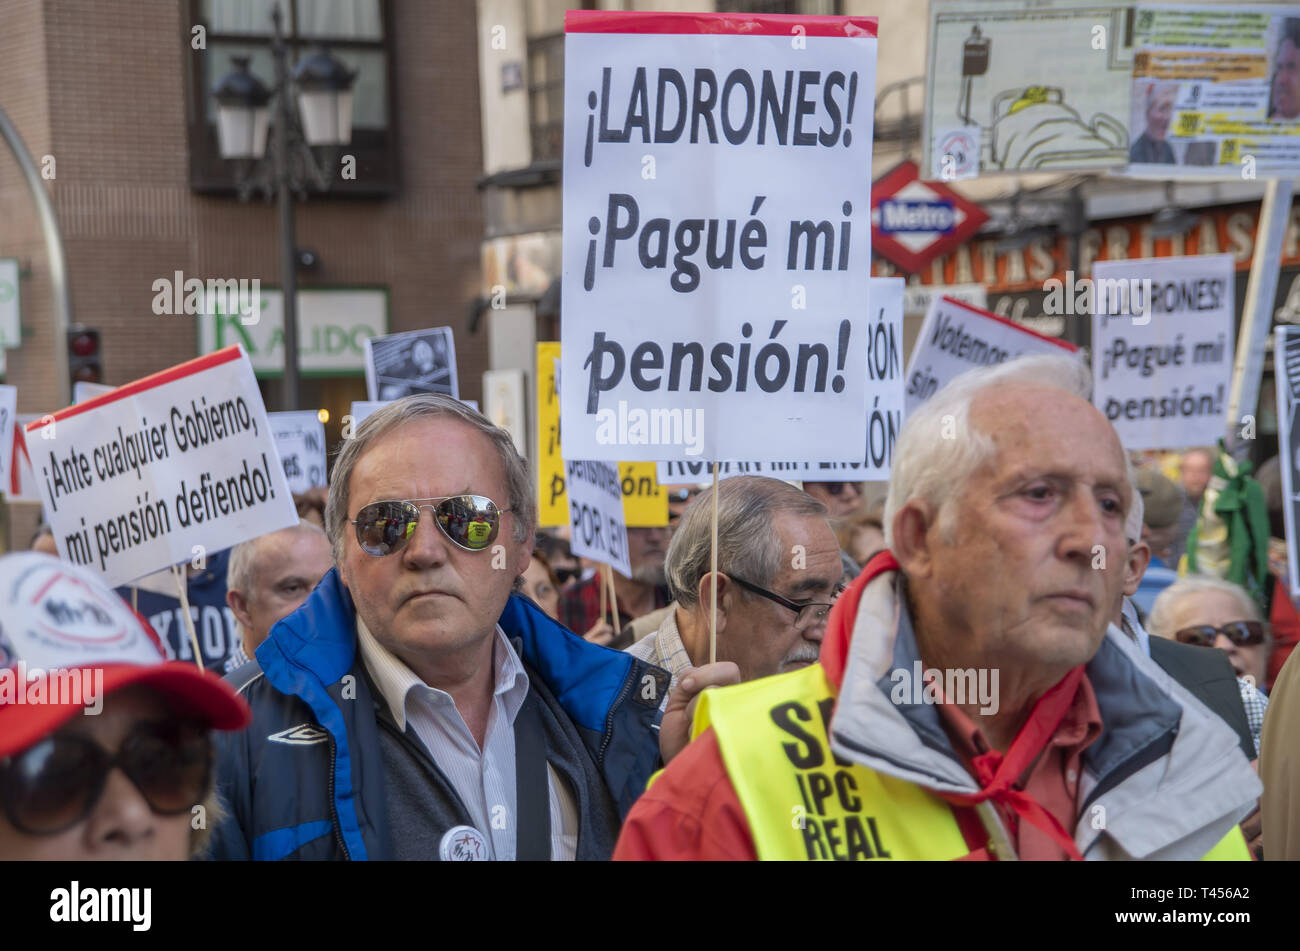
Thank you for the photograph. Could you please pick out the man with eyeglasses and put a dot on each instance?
(412, 708)
(972, 699)
(778, 572)
(105, 745)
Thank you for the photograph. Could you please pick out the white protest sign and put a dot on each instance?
(300, 441)
(883, 346)
(82, 391)
(956, 337)
(717, 235)
(1286, 367)
(599, 531)
(1162, 349)
(20, 485)
(8, 415)
(161, 469)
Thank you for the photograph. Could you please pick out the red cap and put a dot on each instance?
(67, 640)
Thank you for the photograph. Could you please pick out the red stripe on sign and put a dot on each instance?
(739, 24)
(1063, 344)
(189, 368)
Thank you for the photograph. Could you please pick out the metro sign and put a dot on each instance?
(913, 222)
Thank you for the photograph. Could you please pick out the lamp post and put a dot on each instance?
(321, 88)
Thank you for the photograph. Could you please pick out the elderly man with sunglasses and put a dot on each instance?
(972, 699)
(412, 707)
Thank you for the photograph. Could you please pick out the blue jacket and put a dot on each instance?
(305, 780)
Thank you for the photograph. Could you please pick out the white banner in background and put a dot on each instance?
(162, 469)
(957, 337)
(300, 441)
(599, 531)
(884, 346)
(717, 235)
(1162, 362)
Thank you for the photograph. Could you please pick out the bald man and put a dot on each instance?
(269, 576)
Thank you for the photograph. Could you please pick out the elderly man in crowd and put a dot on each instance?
(1207, 675)
(972, 698)
(268, 577)
(411, 708)
(778, 572)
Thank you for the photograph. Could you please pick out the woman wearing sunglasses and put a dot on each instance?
(105, 746)
(1210, 612)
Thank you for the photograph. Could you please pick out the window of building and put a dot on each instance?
(358, 32)
(546, 96)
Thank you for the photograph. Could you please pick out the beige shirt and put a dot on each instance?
(664, 648)
(483, 778)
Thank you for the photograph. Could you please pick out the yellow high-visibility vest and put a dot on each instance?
(804, 803)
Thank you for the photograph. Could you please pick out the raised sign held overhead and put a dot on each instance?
(957, 337)
(161, 470)
(716, 242)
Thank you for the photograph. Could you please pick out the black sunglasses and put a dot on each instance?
(55, 783)
(1241, 633)
(565, 575)
(807, 614)
(470, 522)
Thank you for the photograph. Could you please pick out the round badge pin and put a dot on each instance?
(463, 844)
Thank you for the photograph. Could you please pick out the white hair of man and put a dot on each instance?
(1161, 620)
(243, 557)
(748, 544)
(938, 450)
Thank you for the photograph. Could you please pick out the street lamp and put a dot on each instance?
(322, 87)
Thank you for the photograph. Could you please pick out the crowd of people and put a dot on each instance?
(1029, 643)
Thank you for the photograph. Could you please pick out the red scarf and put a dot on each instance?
(995, 772)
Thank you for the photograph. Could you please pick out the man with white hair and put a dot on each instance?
(267, 577)
(972, 699)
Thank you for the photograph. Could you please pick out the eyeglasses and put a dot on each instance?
(1241, 633)
(808, 614)
(55, 783)
(470, 522)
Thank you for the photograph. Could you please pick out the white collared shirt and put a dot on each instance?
(484, 779)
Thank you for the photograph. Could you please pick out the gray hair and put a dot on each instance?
(519, 483)
(931, 464)
(243, 557)
(748, 543)
(1161, 620)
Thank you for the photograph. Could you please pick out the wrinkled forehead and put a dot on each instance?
(429, 457)
(1036, 425)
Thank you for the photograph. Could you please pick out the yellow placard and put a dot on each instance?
(645, 501)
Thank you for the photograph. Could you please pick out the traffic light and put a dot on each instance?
(84, 361)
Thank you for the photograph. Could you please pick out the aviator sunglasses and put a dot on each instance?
(55, 783)
(470, 522)
(1241, 633)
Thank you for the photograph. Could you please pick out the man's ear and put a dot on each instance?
(524, 552)
(912, 537)
(727, 594)
(239, 607)
(1135, 566)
